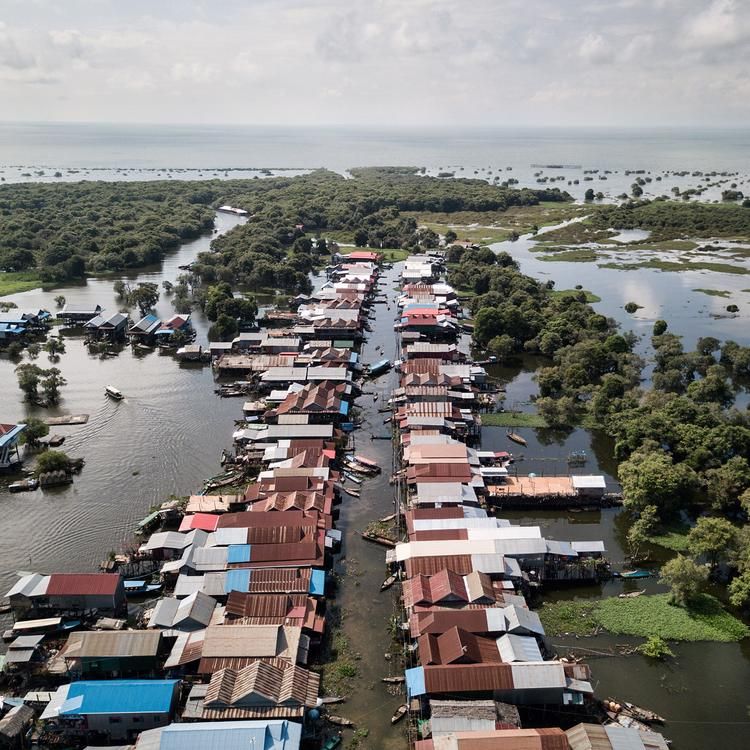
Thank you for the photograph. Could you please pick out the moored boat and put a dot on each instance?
(339, 721)
(399, 713)
(516, 438)
(397, 680)
(114, 393)
(23, 485)
(388, 582)
(637, 573)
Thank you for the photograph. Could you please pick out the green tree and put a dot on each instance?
(649, 477)
(52, 461)
(28, 380)
(660, 327)
(15, 350)
(450, 237)
(589, 194)
(726, 484)
(51, 383)
(713, 538)
(224, 329)
(144, 296)
(641, 529)
(739, 590)
(35, 429)
(684, 578)
(120, 288)
(33, 350)
(60, 300)
(502, 346)
(54, 346)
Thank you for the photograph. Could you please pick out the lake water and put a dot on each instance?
(167, 435)
(135, 152)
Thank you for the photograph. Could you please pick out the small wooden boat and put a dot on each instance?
(516, 438)
(349, 491)
(397, 680)
(631, 595)
(114, 393)
(388, 582)
(367, 462)
(23, 485)
(383, 541)
(339, 721)
(628, 721)
(641, 714)
(352, 478)
(331, 699)
(637, 573)
(399, 713)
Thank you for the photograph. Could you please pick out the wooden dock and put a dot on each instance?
(67, 419)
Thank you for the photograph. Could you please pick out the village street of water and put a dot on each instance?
(166, 437)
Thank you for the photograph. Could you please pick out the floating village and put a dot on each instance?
(211, 631)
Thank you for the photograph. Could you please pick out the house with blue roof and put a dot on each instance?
(143, 331)
(278, 734)
(9, 436)
(110, 710)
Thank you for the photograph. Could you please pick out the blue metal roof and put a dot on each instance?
(238, 553)
(318, 582)
(237, 580)
(12, 435)
(415, 682)
(232, 735)
(119, 697)
(344, 408)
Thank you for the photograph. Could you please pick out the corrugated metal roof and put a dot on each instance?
(231, 735)
(77, 584)
(518, 648)
(538, 675)
(118, 697)
(116, 644)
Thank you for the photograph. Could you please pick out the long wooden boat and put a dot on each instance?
(367, 462)
(349, 491)
(352, 478)
(397, 680)
(642, 714)
(516, 438)
(628, 722)
(383, 541)
(388, 582)
(331, 699)
(23, 485)
(339, 721)
(637, 573)
(399, 713)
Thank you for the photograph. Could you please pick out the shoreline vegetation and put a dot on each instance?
(705, 619)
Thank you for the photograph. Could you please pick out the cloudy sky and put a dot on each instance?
(377, 62)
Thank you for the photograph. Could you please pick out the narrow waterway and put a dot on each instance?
(164, 438)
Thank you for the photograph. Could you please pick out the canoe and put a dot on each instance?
(631, 595)
(516, 438)
(383, 541)
(399, 713)
(339, 721)
(331, 699)
(388, 582)
(353, 493)
(642, 714)
(637, 573)
(398, 680)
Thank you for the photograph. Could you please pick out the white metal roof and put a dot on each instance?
(515, 648)
(588, 481)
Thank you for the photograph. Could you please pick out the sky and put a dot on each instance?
(377, 63)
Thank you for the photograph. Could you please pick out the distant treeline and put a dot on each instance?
(68, 229)
(670, 219)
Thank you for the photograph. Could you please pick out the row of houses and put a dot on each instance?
(480, 672)
(223, 657)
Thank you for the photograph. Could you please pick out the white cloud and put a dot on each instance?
(595, 49)
(719, 25)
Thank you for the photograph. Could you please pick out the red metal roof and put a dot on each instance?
(204, 521)
(76, 584)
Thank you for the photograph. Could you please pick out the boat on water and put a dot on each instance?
(114, 393)
(349, 491)
(628, 722)
(388, 582)
(399, 713)
(383, 541)
(367, 462)
(23, 485)
(339, 721)
(634, 711)
(352, 478)
(637, 573)
(516, 438)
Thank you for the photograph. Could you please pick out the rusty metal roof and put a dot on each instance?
(83, 584)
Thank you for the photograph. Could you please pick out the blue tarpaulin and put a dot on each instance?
(318, 583)
(237, 580)
(238, 553)
(415, 682)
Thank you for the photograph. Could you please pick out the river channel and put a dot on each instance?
(167, 435)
